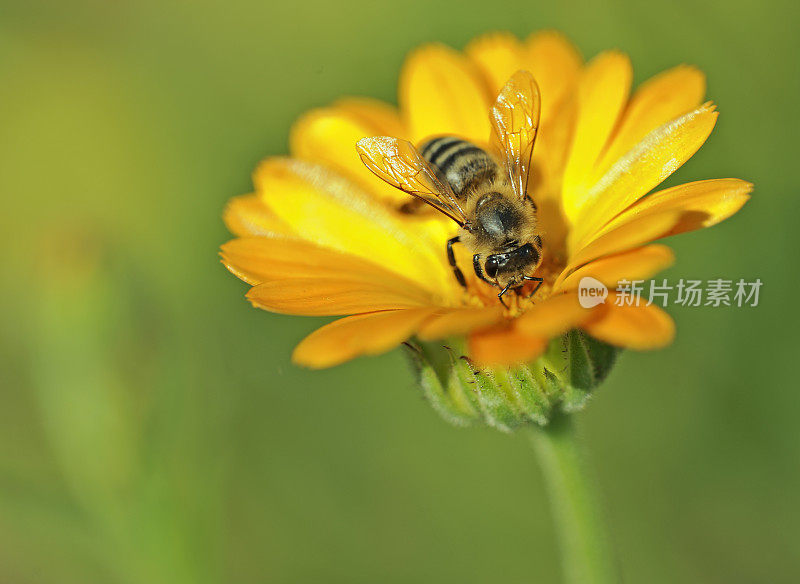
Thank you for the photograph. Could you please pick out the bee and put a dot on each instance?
(487, 196)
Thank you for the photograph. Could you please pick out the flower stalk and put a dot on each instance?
(586, 555)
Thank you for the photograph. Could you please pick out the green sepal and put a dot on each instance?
(579, 363)
(505, 398)
(435, 386)
(495, 403)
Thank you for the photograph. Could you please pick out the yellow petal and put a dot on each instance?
(247, 215)
(554, 316)
(332, 212)
(441, 92)
(382, 118)
(625, 237)
(700, 204)
(498, 55)
(459, 321)
(639, 263)
(602, 94)
(331, 296)
(633, 327)
(656, 157)
(262, 259)
(553, 145)
(555, 64)
(657, 101)
(352, 336)
(328, 136)
(504, 346)
(549, 158)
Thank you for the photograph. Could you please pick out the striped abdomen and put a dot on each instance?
(461, 164)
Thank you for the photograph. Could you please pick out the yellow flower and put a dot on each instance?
(321, 235)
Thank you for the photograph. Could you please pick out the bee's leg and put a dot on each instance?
(503, 291)
(538, 283)
(476, 265)
(451, 257)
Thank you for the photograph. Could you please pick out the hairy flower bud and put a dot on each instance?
(463, 393)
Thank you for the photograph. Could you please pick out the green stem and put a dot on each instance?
(585, 551)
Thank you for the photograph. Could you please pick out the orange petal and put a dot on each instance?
(552, 317)
(262, 259)
(625, 237)
(504, 346)
(602, 95)
(635, 264)
(333, 212)
(700, 204)
(458, 322)
(656, 157)
(633, 327)
(247, 215)
(352, 336)
(382, 118)
(556, 65)
(331, 296)
(441, 92)
(498, 55)
(657, 101)
(329, 137)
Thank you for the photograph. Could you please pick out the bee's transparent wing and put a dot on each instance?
(399, 164)
(515, 120)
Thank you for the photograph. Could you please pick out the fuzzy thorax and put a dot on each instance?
(501, 224)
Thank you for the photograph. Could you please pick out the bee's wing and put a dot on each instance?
(515, 120)
(399, 164)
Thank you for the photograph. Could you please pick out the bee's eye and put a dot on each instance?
(491, 266)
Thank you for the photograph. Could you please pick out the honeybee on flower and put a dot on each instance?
(322, 235)
(466, 183)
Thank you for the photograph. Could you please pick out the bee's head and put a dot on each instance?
(511, 267)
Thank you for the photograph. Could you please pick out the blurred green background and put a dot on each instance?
(152, 428)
